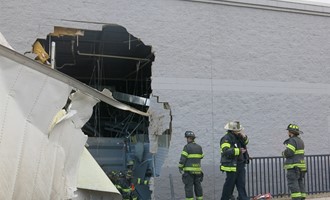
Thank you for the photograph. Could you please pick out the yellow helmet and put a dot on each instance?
(294, 128)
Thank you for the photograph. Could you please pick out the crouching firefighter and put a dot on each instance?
(124, 185)
(295, 163)
(190, 167)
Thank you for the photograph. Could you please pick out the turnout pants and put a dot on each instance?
(193, 184)
(296, 183)
(235, 178)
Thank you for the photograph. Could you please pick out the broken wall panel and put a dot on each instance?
(38, 162)
(114, 59)
(23, 136)
(111, 59)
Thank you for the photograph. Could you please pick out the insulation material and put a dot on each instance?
(42, 55)
(159, 119)
(36, 162)
(60, 31)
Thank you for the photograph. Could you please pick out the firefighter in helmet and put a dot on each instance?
(294, 162)
(134, 181)
(190, 167)
(234, 157)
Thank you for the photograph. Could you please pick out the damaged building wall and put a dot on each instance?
(214, 63)
(41, 146)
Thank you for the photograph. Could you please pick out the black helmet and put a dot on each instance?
(189, 134)
(294, 129)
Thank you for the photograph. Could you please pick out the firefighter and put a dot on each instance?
(134, 180)
(294, 162)
(122, 182)
(140, 181)
(190, 167)
(114, 177)
(234, 157)
(129, 179)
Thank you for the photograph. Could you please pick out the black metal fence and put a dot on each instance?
(266, 175)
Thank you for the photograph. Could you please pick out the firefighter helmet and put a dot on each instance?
(189, 134)
(130, 163)
(294, 128)
(233, 126)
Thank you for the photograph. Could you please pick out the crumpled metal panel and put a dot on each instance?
(38, 162)
(93, 182)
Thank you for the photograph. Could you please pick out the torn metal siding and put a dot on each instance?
(104, 96)
(33, 165)
(36, 163)
(93, 182)
(121, 59)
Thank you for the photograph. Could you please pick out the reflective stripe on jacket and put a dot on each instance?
(294, 153)
(230, 151)
(190, 160)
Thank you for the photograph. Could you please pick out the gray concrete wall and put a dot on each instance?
(214, 63)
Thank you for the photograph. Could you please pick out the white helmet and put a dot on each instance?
(233, 126)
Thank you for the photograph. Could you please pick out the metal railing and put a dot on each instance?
(266, 175)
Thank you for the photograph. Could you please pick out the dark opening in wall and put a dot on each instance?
(115, 60)
(110, 59)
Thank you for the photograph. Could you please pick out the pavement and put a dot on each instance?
(325, 196)
(321, 196)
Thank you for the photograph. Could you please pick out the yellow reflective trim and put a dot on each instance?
(295, 194)
(291, 147)
(180, 165)
(189, 198)
(138, 180)
(126, 190)
(303, 194)
(227, 169)
(192, 169)
(226, 144)
(195, 156)
(199, 198)
(293, 126)
(299, 152)
(302, 166)
(196, 165)
(184, 153)
(246, 141)
(236, 151)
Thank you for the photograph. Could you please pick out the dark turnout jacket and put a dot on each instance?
(294, 153)
(231, 155)
(190, 160)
